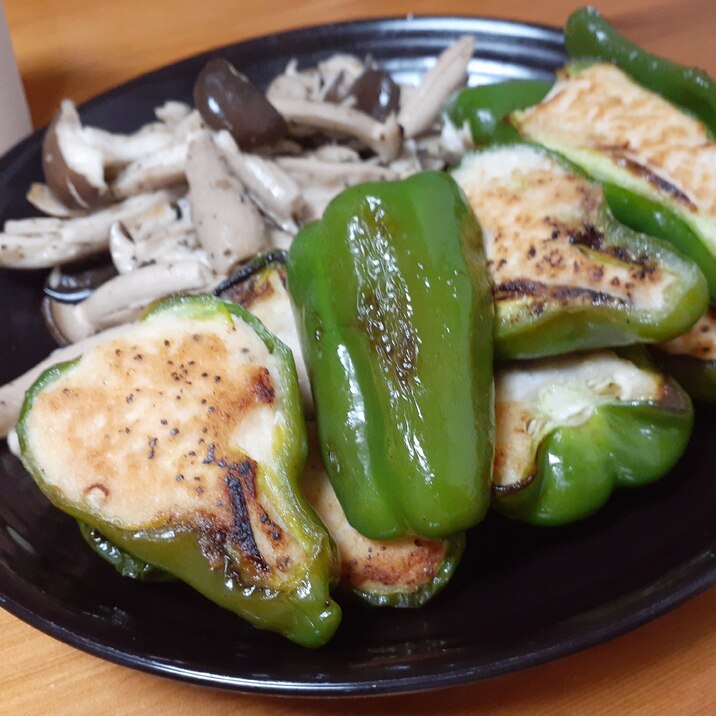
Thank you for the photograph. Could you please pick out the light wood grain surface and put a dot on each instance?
(78, 48)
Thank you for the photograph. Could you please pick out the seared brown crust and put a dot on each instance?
(658, 182)
(398, 566)
(542, 237)
(153, 434)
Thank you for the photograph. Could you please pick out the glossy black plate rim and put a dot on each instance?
(633, 609)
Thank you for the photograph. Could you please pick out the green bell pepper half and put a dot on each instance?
(588, 35)
(652, 185)
(255, 547)
(566, 274)
(594, 422)
(486, 108)
(392, 299)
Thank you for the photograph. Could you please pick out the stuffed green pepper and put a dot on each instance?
(572, 429)
(393, 304)
(181, 442)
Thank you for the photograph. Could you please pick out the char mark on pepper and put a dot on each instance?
(391, 334)
(237, 482)
(655, 180)
(246, 293)
(520, 288)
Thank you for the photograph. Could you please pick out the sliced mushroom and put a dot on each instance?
(12, 394)
(172, 113)
(76, 160)
(228, 100)
(335, 153)
(384, 138)
(338, 175)
(276, 193)
(123, 298)
(455, 141)
(162, 168)
(338, 73)
(293, 85)
(41, 197)
(73, 167)
(118, 150)
(420, 111)
(45, 242)
(323, 180)
(422, 154)
(162, 214)
(229, 226)
(169, 244)
(73, 283)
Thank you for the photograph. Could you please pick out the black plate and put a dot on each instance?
(521, 596)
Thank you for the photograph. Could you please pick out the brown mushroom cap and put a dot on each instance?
(376, 94)
(228, 100)
(67, 182)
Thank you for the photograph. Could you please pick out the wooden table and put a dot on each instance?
(78, 48)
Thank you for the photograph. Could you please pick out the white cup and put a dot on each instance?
(15, 120)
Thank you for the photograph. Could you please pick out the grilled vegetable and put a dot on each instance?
(588, 35)
(691, 358)
(403, 572)
(392, 299)
(260, 287)
(566, 275)
(573, 428)
(659, 161)
(486, 108)
(126, 564)
(181, 442)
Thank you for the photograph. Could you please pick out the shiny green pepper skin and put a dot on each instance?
(392, 299)
(588, 35)
(654, 218)
(161, 416)
(486, 108)
(126, 564)
(572, 429)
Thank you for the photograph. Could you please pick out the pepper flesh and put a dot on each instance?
(199, 405)
(486, 108)
(572, 429)
(566, 275)
(126, 564)
(393, 304)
